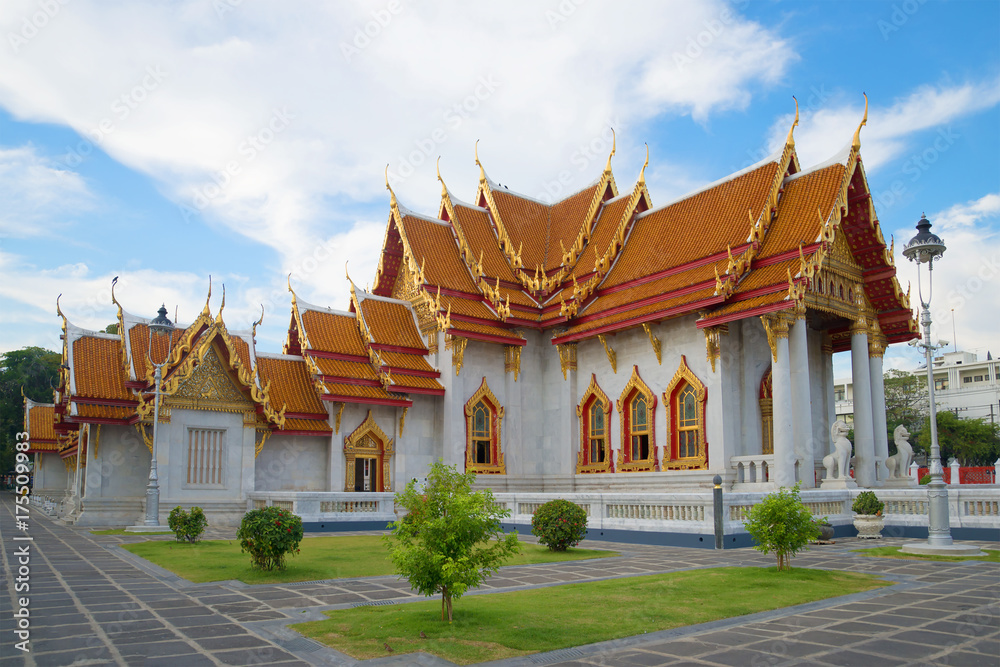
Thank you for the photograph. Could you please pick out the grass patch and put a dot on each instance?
(122, 531)
(505, 625)
(330, 557)
(894, 552)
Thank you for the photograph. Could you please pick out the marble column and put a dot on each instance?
(864, 434)
(511, 433)
(802, 432)
(783, 473)
(876, 349)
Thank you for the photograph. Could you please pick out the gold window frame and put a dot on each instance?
(497, 466)
(356, 446)
(685, 375)
(636, 386)
(593, 396)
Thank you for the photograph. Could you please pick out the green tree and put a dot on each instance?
(974, 442)
(905, 403)
(36, 370)
(781, 524)
(451, 538)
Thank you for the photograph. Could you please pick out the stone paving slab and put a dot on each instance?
(93, 603)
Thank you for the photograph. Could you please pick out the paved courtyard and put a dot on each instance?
(92, 603)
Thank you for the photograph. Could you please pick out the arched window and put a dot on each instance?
(636, 407)
(766, 415)
(594, 412)
(685, 399)
(368, 453)
(483, 416)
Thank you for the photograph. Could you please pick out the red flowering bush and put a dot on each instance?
(559, 524)
(268, 534)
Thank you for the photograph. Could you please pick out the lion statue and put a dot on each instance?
(899, 463)
(840, 458)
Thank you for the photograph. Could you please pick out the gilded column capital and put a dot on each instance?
(859, 326)
(877, 344)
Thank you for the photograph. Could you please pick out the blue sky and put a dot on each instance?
(163, 142)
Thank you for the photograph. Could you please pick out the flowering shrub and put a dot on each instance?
(187, 527)
(559, 524)
(268, 534)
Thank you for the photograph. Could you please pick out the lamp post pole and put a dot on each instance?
(159, 326)
(924, 248)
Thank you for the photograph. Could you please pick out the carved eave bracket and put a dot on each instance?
(567, 358)
(608, 350)
(457, 345)
(654, 341)
(713, 343)
(512, 360)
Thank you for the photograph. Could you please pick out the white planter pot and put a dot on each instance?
(869, 526)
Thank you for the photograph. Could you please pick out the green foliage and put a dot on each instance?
(451, 538)
(187, 527)
(867, 503)
(780, 523)
(974, 442)
(926, 479)
(267, 535)
(905, 403)
(559, 524)
(37, 371)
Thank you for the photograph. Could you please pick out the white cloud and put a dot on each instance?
(271, 115)
(37, 194)
(824, 132)
(965, 302)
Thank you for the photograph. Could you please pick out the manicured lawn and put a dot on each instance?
(321, 558)
(504, 625)
(893, 552)
(122, 531)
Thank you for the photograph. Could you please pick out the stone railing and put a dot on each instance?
(751, 472)
(328, 505)
(972, 506)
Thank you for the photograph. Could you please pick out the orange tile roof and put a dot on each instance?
(291, 385)
(417, 382)
(517, 297)
(97, 369)
(485, 329)
(616, 318)
(747, 305)
(773, 274)
(391, 323)
(361, 370)
(797, 218)
(659, 287)
(359, 391)
(470, 307)
(527, 225)
(601, 235)
(694, 227)
(242, 351)
(566, 219)
(433, 245)
(85, 411)
(480, 235)
(329, 332)
(138, 338)
(317, 426)
(407, 361)
(40, 424)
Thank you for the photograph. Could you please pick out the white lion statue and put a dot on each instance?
(839, 460)
(899, 463)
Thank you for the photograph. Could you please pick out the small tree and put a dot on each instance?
(187, 527)
(267, 534)
(559, 524)
(443, 544)
(782, 524)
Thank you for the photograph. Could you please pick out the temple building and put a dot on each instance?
(598, 344)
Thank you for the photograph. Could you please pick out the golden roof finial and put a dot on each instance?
(223, 304)
(791, 141)
(206, 310)
(253, 329)
(642, 174)
(59, 311)
(856, 144)
(444, 188)
(607, 167)
(347, 273)
(114, 281)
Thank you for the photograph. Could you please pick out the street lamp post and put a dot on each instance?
(159, 325)
(924, 248)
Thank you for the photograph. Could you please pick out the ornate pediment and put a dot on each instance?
(210, 387)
